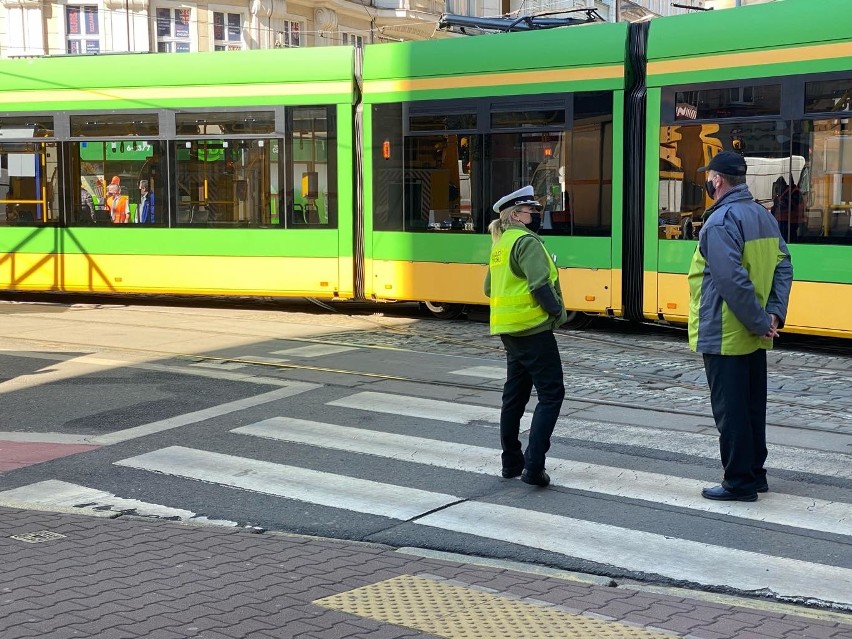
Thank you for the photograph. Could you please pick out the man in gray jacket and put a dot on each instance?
(739, 282)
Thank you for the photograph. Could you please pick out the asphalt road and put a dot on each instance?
(382, 426)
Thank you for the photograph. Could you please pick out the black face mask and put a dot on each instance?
(711, 189)
(535, 222)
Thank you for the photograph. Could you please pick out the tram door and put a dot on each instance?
(28, 193)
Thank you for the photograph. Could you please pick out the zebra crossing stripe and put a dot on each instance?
(640, 551)
(630, 550)
(488, 372)
(791, 458)
(290, 389)
(785, 510)
(434, 409)
(53, 493)
(685, 443)
(291, 482)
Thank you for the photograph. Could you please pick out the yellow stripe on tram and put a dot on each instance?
(495, 79)
(752, 58)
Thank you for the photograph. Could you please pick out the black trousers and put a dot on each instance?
(738, 397)
(530, 361)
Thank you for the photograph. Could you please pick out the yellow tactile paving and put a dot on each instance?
(459, 612)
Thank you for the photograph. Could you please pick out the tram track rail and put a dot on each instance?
(818, 403)
(571, 366)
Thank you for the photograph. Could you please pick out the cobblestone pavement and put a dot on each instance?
(126, 578)
(810, 390)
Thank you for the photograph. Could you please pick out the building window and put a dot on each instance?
(81, 27)
(468, 7)
(290, 35)
(352, 40)
(173, 33)
(227, 31)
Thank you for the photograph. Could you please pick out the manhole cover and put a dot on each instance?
(38, 536)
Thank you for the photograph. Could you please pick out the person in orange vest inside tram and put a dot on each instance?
(118, 204)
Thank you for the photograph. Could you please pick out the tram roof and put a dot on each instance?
(778, 38)
(163, 80)
(586, 57)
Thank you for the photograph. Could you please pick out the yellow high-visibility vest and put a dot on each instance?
(513, 306)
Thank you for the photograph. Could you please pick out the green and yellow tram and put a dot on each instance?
(774, 83)
(247, 157)
(309, 172)
(456, 124)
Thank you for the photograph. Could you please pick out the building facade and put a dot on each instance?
(34, 27)
(39, 27)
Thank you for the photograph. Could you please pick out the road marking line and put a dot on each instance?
(264, 359)
(291, 389)
(44, 438)
(700, 445)
(291, 482)
(434, 409)
(489, 372)
(785, 510)
(632, 550)
(315, 350)
(220, 365)
(65, 495)
(639, 551)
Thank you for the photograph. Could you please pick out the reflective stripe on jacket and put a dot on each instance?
(513, 307)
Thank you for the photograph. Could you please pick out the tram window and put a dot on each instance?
(593, 104)
(311, 173)
(570, 169)
(443, 122)
(29, 193)
(537, 158)
(587, 182)
(225, 123)
(388, 186)
(437, 177)
(26, 126)
(104, 179)
(115, 125)
(226, 183)
(824, 185)
(728, 102)
(528, 119)
(828, 96)
(773, 173)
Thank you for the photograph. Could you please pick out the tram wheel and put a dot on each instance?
(578, 320)
(444, 310)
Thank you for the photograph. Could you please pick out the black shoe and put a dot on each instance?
(762, 488)
(540, 478)
(509, 473)
(720, 493)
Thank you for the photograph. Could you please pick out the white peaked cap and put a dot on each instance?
(524, 195)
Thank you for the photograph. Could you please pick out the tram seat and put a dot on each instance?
(102, 216)
(26, 218)
(200, 217)
(672, 231)
(814, 221)
(82, 214)
(299, 214)
(840, 223)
